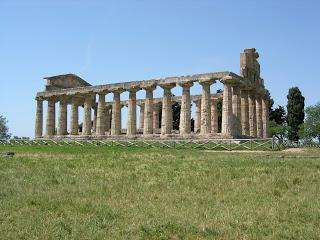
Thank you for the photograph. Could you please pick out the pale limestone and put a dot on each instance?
(39, 118)
(100, 128)
(245, 105)
(74, 117)
(252, 115)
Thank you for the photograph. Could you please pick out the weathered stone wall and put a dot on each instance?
(244, 110)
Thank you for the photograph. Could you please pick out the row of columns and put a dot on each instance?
(244, 113)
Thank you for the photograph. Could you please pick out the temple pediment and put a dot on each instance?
(65, 81)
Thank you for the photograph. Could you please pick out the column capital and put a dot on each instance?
(149, 86)
(228, 80)
(187, 84)
(206, 81)
(64, 98)
(51, 99)
(117, 90)
(102, 92)
(88, 95)
(39, 98)
(76, 100)
(133, 88)
(167, 86)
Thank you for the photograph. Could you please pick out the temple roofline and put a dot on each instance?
(140, 84)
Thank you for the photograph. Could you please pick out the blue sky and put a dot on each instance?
(114, 41)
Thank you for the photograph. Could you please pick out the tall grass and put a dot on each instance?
(116, 193)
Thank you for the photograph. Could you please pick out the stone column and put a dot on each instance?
(39, 118)
(156, 115)
(148, 111)
(252, 115)
(132, 112)
(50, 122)
(227, 110)
(214, 116)
(205, 127)
(95, 114)
(116, 114)
(245, 129)
(166, 117)
(107, 119)
(185, 112)
(265, 115)
(259, 116)
(141, 118)
(101, 115)
(87, 125)
(197, 121)
(62, 117)
(74, 116)
(236, 111)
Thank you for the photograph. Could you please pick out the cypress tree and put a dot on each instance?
(295, 112)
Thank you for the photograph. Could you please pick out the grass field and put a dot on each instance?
(122, 193)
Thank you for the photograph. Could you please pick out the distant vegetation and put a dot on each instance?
(4, 130)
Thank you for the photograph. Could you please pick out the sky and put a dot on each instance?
(116, 41)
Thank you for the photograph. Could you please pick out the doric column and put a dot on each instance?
(74, 116)
(166, 117)
(259, 116)
(50, 122)
(148, 111)
(252, 115)
(116, 114)
(132, 112)
(39, 118)
(236, 111)
(107, 118)
(205, 127)
(265, 115)
(87, 125)
(95, 115)
(214, 116)
(141, 118)
(156, 115)
(101, 115)
(62, 117)
(245, 129)
(197, 121)
(185, 112)
(227, 110)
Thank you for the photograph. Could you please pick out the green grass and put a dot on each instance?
(72, 192)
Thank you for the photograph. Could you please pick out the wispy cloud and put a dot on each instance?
(88, 52)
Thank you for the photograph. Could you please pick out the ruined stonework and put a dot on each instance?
(244, 106)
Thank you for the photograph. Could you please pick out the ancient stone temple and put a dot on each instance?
(245, 104)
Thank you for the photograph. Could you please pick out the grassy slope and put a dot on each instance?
(74, 192)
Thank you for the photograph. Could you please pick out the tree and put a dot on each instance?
(176, 107)
(4, 130)
(278, 115)
(311, 128)
(219, 110)
(277, 130)
(295, 116)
